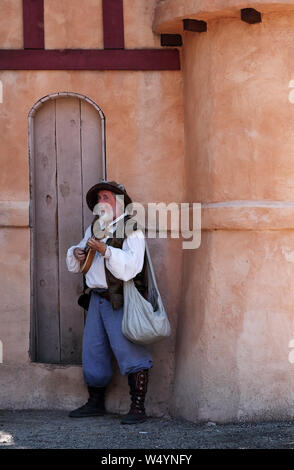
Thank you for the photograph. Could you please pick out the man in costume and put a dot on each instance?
(117, 259)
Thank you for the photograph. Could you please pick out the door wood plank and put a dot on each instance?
(46, 236)
(69, 190)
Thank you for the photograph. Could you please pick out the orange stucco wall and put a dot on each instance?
(11, 31)
(145, 151)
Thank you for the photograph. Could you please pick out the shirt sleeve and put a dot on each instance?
(107, 253)
(73, 265)
(127, 262)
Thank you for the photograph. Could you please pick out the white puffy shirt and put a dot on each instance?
(123, 263)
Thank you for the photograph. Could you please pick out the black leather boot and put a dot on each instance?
(138, 387)
(95, 405)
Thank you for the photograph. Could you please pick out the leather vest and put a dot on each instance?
(115, 285)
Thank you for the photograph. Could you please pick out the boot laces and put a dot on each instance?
(138, 389)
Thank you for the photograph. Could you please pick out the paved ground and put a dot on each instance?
(31, 429)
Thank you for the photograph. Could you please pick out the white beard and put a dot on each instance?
(106, 217)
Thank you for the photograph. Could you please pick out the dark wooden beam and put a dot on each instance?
(250, 15)
(33, 24)
(113, 24)
(194, 25)
(89, 59)
(170, 40)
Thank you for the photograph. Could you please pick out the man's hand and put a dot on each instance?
(80, 254)
(97, 245)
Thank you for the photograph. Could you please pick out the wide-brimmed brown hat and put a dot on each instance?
(117, 188)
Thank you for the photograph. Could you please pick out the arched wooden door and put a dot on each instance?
(67, 157)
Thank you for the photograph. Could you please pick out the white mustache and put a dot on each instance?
(107, 208)
(105, 212)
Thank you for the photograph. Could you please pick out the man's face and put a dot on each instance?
(106, 205)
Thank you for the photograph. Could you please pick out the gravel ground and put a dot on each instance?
(31, 429)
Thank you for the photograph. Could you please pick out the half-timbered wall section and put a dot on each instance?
(113, 56)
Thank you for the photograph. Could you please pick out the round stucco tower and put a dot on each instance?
(233, 358)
